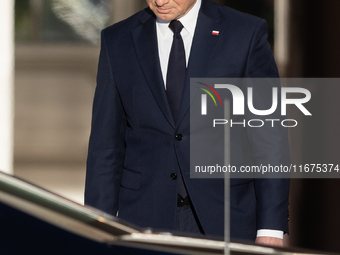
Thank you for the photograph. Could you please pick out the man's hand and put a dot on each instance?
(271, 241)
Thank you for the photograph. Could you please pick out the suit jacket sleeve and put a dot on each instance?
(106, 147)
(269, 145)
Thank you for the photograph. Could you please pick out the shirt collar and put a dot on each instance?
(188, 21)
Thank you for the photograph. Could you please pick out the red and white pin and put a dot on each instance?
(214, 32)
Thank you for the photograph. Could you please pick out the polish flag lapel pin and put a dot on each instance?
(214, 32)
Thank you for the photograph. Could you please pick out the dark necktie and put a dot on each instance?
(175, 82)
(176, 69)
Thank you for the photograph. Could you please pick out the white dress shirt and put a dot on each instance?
(165, 38)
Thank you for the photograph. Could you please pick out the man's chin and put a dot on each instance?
(166, 17)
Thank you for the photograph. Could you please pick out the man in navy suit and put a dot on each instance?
(139, 151)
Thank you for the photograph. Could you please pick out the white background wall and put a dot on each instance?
(6, 84)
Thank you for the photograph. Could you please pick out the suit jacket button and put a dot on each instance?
(173, 176)
(179, 137)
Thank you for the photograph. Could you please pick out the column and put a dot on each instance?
(6, 85)
(281, 50)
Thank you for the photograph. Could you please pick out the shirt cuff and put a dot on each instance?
(270, 233)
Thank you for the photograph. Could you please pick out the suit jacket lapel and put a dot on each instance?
(145, 41)
(202, 49)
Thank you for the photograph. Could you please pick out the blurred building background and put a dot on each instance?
(56, 54)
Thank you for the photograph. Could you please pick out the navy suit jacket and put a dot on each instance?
(133, 150)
